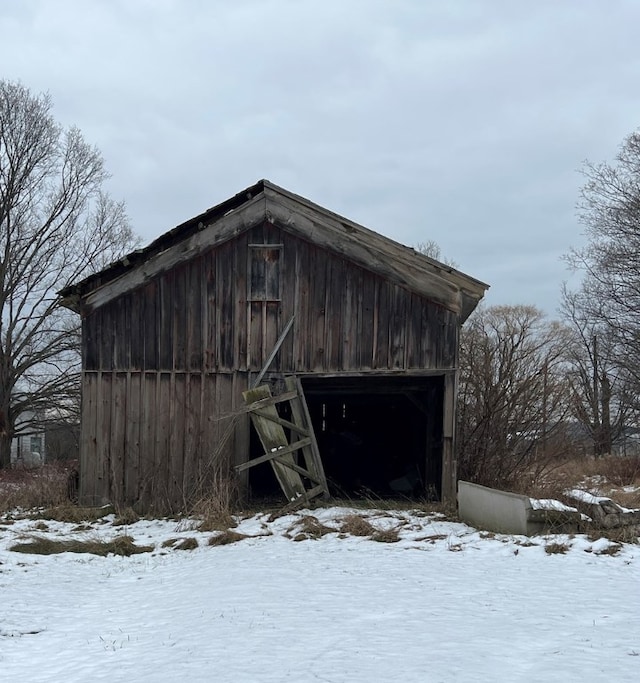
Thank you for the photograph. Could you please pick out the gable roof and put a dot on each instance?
(265, 201)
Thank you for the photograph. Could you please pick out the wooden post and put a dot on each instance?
(449, 469)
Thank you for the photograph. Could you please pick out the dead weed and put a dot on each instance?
(556, 548)
(126, 517)
(189, 543)
(309, 527)
(33, 488)
(227, 537)
(355, 525)
(121, 545)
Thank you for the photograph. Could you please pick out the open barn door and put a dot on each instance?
(300, 483)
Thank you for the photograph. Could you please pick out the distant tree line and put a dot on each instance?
(533, 390)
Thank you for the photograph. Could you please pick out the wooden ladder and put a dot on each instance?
(283, 455)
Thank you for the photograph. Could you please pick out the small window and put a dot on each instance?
(265, 272)
(36, 444)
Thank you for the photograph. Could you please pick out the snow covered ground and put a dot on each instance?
(444, 603)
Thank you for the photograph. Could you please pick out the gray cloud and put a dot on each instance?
(460, 122)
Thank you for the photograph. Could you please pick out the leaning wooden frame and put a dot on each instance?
(282, 454)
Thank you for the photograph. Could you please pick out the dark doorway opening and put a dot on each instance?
(377, 436)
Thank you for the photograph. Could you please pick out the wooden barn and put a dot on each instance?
(268, 286)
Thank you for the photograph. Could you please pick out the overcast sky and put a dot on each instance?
(465, 122)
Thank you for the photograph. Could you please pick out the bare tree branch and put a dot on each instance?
(57, 225)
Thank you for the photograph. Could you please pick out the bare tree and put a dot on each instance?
(609, 210)
(56, 225)
(512, 396)
(432, 249)
(602, 393)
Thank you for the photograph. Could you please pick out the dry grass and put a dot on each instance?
(370, 502)
(355, 525)
(432, 538)
(68, 512)
(126, 517)
(556, 548)
(610, 471)
(622, 534)
(217, 521)
(386, 536)
(217, 492)
(181, 543)
(612, 549)
(121, 545)
(227, 537)
(309, 527)
(34, 488)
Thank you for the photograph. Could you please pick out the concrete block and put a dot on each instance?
(499, 511)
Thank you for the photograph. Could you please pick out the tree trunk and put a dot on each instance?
(605, 398)
(5, 450)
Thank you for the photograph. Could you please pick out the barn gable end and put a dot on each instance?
(174, 333)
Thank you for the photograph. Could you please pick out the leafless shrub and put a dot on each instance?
(620, 470)
(34, 488)
(215, 497)
(513, 396)
(622, 534)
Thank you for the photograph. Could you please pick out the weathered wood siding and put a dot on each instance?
(165, 363)
(149, 436)
(223, 311)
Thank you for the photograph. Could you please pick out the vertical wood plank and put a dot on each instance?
(161, 489)
(211, 422)
(193, 296)
(240, 451)
(179, 315)
(317, 312)
(177, 409)
(132, 470)
(449, 470)
(117, 437)
(151, 333)
(349, 317)
(300, 334)
(90, 346)
(381, 360)
(165, 322)
(226, 305)
(333, 320)
(397, 327)
(103, 469)
(192, 434)
(212, 313)
(148, 439)
(88, 465)
(428, 329)
(240, 313)
(413, 332)
(368, 322)
(272, 330)
(256, 351)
